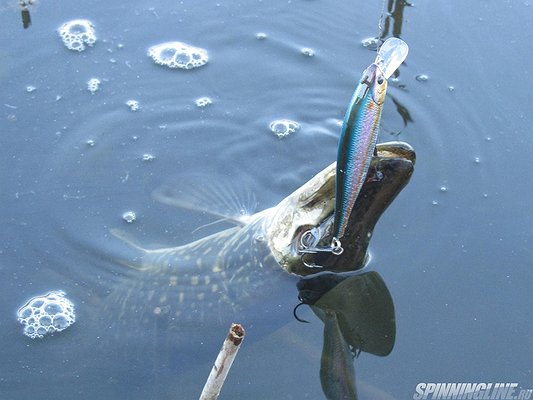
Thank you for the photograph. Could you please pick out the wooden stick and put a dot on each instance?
(225, 358)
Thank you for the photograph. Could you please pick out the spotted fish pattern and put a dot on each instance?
(209, 282)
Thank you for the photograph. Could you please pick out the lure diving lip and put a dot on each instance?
(391, 55)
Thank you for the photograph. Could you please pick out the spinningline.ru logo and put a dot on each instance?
(477, 391)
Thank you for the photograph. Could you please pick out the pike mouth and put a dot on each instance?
(309, 214)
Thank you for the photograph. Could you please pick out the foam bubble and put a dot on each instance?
(133, 105)
(422, 78)
(129, 217)
(49, 313)
(203, 101)
(178, 55)
(30, 88)
(60, 322)
(307, 51)
(77, 34)
(284, 127)
(93, 85)
(371, 43)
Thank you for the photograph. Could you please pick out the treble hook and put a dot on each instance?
(312, 265)
(335, 248)
(296, 316)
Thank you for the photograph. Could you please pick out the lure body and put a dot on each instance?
(357, 144)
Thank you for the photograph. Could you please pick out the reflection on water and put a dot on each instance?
(394, 15)
(395, 10)
(402, 110)
(358, 316)
(25, 12)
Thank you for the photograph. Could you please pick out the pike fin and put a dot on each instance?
(135, 263)
(229, 202)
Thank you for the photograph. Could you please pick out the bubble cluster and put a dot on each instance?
(422, 78)
(178, 55)
(129, 217)
(203, 101)
(284, 127)
(93, 85)
(50, 313)
(76, 34)
(133, 105)
(371, 43)
(148, 157)
(307, 51)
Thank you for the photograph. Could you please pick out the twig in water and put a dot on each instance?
(225, 358)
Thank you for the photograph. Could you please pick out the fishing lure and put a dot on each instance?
(357, 143)
(358, 137)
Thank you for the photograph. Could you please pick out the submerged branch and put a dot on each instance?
(223, 363)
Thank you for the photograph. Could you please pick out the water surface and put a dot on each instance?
(454, 248)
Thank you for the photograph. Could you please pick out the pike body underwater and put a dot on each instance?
(454, 248)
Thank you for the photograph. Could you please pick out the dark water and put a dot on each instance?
(454, 248)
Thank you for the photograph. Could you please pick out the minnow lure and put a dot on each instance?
(357, 142)
(359, 134)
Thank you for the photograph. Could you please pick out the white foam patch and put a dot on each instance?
(178, 55)
(129, 217)
(49, 313)
(93, 85)
(284, 127)
(77, 34)
(203, 102)
(133, 105)
(307, 51)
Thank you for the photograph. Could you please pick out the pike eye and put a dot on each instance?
(380, 80)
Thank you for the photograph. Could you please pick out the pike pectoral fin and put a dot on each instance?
(217, 196)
